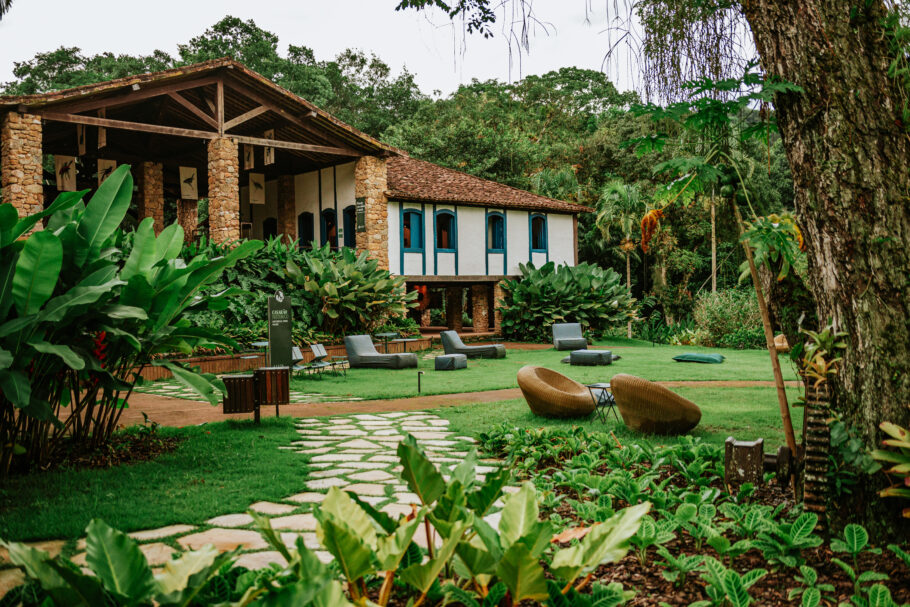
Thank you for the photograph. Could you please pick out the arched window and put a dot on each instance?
(446, 231)
(269, 228)
(349, 219)
(496, 233)
(329, 232)
(305, 230)
(538, 233)
(412, 231)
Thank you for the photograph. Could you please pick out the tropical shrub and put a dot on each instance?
(79, 316)
(730, 318)
(585, 293)
(900, 457)
(346, 292)
(332, 293)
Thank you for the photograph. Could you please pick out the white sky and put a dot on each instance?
(424, 42)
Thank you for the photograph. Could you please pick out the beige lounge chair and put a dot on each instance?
(551, 394)
(651, 408)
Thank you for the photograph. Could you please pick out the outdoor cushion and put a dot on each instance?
(452, 344)
(451, 362)
(699, 357)
(362, 354)
(651, 408)
(568, 336)
(552, 394)
(591, 357)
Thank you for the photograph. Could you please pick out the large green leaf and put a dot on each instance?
(37, 271)
(57, 308)
(522, 573)
(118, 562)
(169, 243)
(66, 354)
(339, 504)
(391, 548)
(16, 387)
(418, 471)
(6, 359)
(63, 201)
(37, 566)
(176, 573)
(519, 515)
(105, 211)
(205, 388)
(145, 251)
(422, 576)
(606, 542)
(7, 272)
(352, 554)
(8, 219)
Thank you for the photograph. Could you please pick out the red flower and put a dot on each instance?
(100, 341)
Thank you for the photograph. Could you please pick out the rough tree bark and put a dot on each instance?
(849, 153)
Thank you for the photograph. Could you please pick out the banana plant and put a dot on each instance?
(80, 314)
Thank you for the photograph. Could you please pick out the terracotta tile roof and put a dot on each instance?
(418, 180)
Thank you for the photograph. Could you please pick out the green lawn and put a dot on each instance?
(220, 468)
(638, 358)
(745, 413)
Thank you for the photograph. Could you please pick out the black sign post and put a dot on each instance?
(360, 214)
(279, 331)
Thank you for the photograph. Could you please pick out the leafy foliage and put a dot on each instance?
(729, 318)
(550, 294)
(79, 314)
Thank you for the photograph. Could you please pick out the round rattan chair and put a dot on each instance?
(651, 408)
(551, 394)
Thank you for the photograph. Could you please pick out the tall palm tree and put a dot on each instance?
(620, 205)
(4, 7)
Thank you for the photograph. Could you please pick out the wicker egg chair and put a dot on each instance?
(551, 394)
(651, 408)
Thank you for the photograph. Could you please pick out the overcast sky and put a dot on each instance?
(425, 43)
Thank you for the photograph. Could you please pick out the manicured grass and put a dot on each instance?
(638, 358)
(745, 413)
(219, 468)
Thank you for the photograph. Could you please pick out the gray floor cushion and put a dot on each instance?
(451, 362)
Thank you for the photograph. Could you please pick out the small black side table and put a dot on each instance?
(603, 400)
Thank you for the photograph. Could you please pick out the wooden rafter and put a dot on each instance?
(219, 106)
(195, 133)
(130, 96)
(193, 108)
(244, 117)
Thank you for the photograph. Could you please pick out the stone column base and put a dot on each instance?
(425, 318)
(453, 308)
(480, 304)
(188, 218)
(498, 296)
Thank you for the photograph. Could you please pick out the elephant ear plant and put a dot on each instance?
(80, 316)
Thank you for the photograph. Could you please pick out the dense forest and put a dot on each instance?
(563, 134)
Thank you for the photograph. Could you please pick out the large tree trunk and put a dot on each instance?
(848, 151)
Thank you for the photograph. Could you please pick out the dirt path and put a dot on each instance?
(179, 412)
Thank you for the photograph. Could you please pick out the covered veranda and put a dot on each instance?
(207, 131)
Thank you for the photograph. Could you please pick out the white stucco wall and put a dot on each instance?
(473, 259)
(257, 213)
(561, 241)
(344, 188)
(516, 239)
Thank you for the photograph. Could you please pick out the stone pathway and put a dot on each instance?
(173, 388)
(355, 453)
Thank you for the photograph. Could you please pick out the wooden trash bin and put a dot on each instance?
(241, 393)
(273, 386)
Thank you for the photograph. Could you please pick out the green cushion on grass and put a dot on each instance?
(699, 357)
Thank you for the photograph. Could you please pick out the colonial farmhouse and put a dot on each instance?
(272, 164)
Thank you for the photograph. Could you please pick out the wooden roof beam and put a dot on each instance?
(193, 108)
(130, 96)
(244, 117)
(194, 133)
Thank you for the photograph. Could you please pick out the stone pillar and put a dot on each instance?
(425, 318)
(20, 163)
(188, 218)
(287, 209)
(453, 308)
(149, 178)
(480, 308)
(370, 184)
(498, 296)
(224, 190)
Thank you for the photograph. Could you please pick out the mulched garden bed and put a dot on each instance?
(128, 447)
